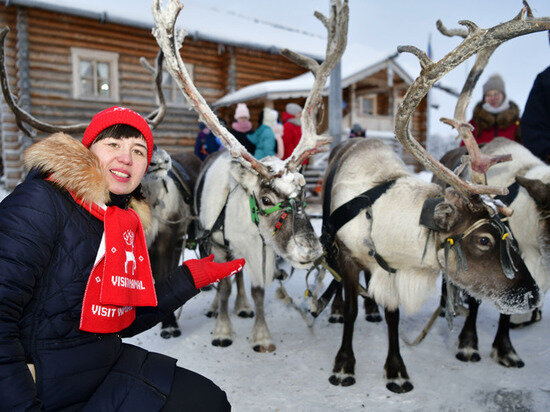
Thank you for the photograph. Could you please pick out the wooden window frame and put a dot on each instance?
(374, 99)
(170, 101)
(78, 54)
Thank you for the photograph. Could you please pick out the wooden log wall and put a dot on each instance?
(52, 35)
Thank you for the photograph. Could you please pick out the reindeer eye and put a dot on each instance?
(266, 201)
(484, 241)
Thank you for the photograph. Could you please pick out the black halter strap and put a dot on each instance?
(182, 180)
(332, 222)
(513, 191)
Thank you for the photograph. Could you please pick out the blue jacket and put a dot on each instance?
(48, 244)
(535, 122)
(264, 140)
(206, 144)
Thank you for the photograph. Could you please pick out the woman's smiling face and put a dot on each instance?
(123, 162)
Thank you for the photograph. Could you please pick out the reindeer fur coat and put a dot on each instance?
(48, 248)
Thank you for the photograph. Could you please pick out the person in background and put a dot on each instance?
(495, 116)
(278, 130)
(242, 126)
(206, 142)
(75, 279)
(264, 138)
(535, 122)
(357, 131)
(292, 128)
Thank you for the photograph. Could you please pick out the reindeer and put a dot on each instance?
(254, 209)
(459, 230)
(168, 186)
(528, 179)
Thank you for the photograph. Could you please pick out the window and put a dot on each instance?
(95, 74)
(367, 105)
(172, 92)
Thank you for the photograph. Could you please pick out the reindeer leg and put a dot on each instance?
(242, 305)
(372, 314)
(503, 352)
(344, 364)
(467, 340)
(396, 372)
(213, 311)
(169, 327)
(337, 307)
(261, 338)
(223, 331)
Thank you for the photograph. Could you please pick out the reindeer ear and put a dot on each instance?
(445, 216)
(247, 178)
(539, 191)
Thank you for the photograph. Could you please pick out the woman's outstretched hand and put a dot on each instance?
(205, 271)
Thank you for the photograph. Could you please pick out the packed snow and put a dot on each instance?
(295, 376)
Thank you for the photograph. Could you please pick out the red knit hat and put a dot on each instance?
(118, 115)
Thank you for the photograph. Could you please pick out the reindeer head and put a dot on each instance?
(481, 256)
(278, 209)
(161, 163)
(486, 262)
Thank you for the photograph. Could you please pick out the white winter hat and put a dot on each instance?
(293, 109)
(270, 117)
(242, 111)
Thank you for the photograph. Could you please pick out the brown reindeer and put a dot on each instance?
(404, 231)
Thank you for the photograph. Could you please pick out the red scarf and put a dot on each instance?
(121, 278)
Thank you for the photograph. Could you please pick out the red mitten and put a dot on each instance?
(205, 271)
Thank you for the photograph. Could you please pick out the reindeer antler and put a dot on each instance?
(22, 116)
(170, 41)
(337, 33)
(476, 40)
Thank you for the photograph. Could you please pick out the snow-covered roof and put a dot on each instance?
(358, 62)
(200, 21)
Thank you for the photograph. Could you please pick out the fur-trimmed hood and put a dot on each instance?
(485, 120)
(74, 167)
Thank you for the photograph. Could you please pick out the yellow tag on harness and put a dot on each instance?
(505, 235)
(451, 241)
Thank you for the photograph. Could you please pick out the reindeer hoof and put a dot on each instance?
(373, 317)
(246, 314)
(403, 388)
(336, 319)
(211, 314)
(176, 332)
(165, 334)
(343, 379)
(468, 355)
(222, 342)
(509, 360)
(263, 349)
(206, 288)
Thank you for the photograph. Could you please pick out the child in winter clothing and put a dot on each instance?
(206, 142)
(241, 126)
(264, 138)
(278, 130)
(75, 278)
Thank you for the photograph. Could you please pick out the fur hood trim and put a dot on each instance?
(485, 120)
(74, 167)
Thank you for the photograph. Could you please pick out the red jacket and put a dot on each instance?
(487, 126)
(292, 134)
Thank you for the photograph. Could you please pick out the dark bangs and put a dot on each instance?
(119, 131)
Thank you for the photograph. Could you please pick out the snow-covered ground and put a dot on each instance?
(295, 376)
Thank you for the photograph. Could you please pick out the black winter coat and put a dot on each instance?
(48, 244)
(535, 123)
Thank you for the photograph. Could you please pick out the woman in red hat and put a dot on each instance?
(75, 278)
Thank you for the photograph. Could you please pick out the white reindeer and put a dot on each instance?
(404, 257)
(258, 204)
